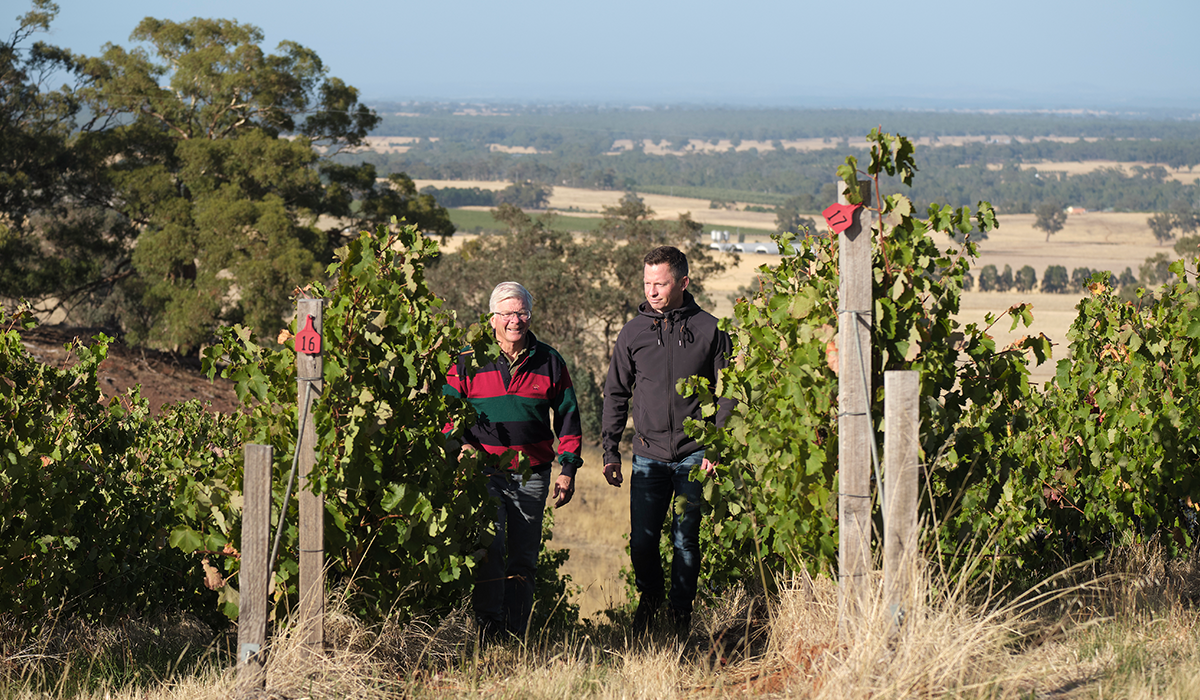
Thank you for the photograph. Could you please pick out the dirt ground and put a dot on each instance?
(163, 377)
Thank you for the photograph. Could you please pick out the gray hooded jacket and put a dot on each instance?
(652, 353)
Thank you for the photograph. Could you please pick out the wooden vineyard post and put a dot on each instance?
(901, 457)
(309, 368)
(254, 572)
(855, 318)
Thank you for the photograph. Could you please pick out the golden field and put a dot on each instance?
(1096, 240)
(582, 202)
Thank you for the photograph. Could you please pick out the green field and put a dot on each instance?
(474, 221)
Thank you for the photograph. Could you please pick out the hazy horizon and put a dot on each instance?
(927, 54)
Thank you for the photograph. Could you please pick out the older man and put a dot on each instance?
(671, 338)
(513, 395)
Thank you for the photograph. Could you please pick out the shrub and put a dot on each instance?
(1055, 280)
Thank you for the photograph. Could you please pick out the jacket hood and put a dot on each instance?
(685, 310)
(660, 321)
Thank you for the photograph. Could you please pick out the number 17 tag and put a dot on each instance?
(840, 216)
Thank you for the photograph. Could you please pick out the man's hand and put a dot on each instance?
(612, 472)
(564, 489)
(709, 468)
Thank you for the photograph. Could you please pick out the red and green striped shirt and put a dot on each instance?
(514, 407)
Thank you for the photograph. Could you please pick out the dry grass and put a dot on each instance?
(580, 200)
(80, 659)
(595, 528)
(1127, 633)
(1099, 240)
(493, 185)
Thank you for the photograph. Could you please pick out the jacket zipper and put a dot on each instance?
(671, 395)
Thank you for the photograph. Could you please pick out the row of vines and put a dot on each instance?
(1106, 453)
(106, 511)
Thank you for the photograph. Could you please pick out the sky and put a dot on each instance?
(1110, 55)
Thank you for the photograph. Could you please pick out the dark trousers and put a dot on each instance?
(503, 595)
(654, 488)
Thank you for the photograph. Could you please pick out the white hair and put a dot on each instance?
(510, 290)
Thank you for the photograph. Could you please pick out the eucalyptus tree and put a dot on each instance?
(217, 156)
(206, 193)
(626, 233)
(1162, 226)
(1050, 217)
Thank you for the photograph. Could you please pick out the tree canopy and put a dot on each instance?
(1050, 217)
(206, 195)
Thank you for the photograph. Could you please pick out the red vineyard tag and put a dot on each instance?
(308, 340)
(840, 216)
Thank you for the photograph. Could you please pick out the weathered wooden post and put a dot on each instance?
(901, 455)
(309, 368)
(254, 572)
(855, 319)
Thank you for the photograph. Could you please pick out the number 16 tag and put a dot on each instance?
(308, 340)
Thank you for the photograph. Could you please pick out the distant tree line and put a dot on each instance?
(762, 178)
(524, 195)
(574, 146)
(1056, 280)
(1175, 153)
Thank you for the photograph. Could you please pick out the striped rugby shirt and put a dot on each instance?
(514, 405)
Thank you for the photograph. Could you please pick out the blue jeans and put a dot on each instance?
(503, 595)
(653, 488)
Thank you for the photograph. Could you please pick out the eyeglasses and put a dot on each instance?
(510, 315)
